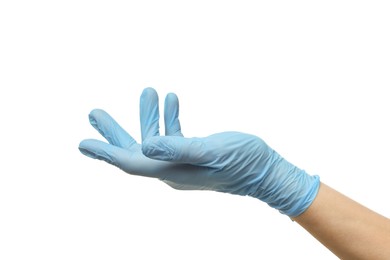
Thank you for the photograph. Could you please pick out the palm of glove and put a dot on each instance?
(229, 162)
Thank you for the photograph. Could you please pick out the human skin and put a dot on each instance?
(347, 228)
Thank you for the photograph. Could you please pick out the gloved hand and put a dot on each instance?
(228, 162)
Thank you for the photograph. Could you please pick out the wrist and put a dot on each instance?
(301, 194)
(287, 188)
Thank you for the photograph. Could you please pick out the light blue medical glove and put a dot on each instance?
(228, 162)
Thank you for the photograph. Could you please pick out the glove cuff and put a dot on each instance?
(288, 189)
(301, 199)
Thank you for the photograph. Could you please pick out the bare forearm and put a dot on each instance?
(348, 229)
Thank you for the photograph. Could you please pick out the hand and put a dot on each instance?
(228, 162)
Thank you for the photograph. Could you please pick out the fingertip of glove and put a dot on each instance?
(149, 91)
(90, 149)
(171, 97)
(95, 113)
(87, 153)
(149, 146)
(84, 150)
(155, 148)
(96, 116)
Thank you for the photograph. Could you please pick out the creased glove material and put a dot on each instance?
(230, 162)
(240, 164)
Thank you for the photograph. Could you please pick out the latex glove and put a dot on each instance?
(228, 162)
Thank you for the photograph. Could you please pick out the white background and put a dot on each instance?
(311, 78)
